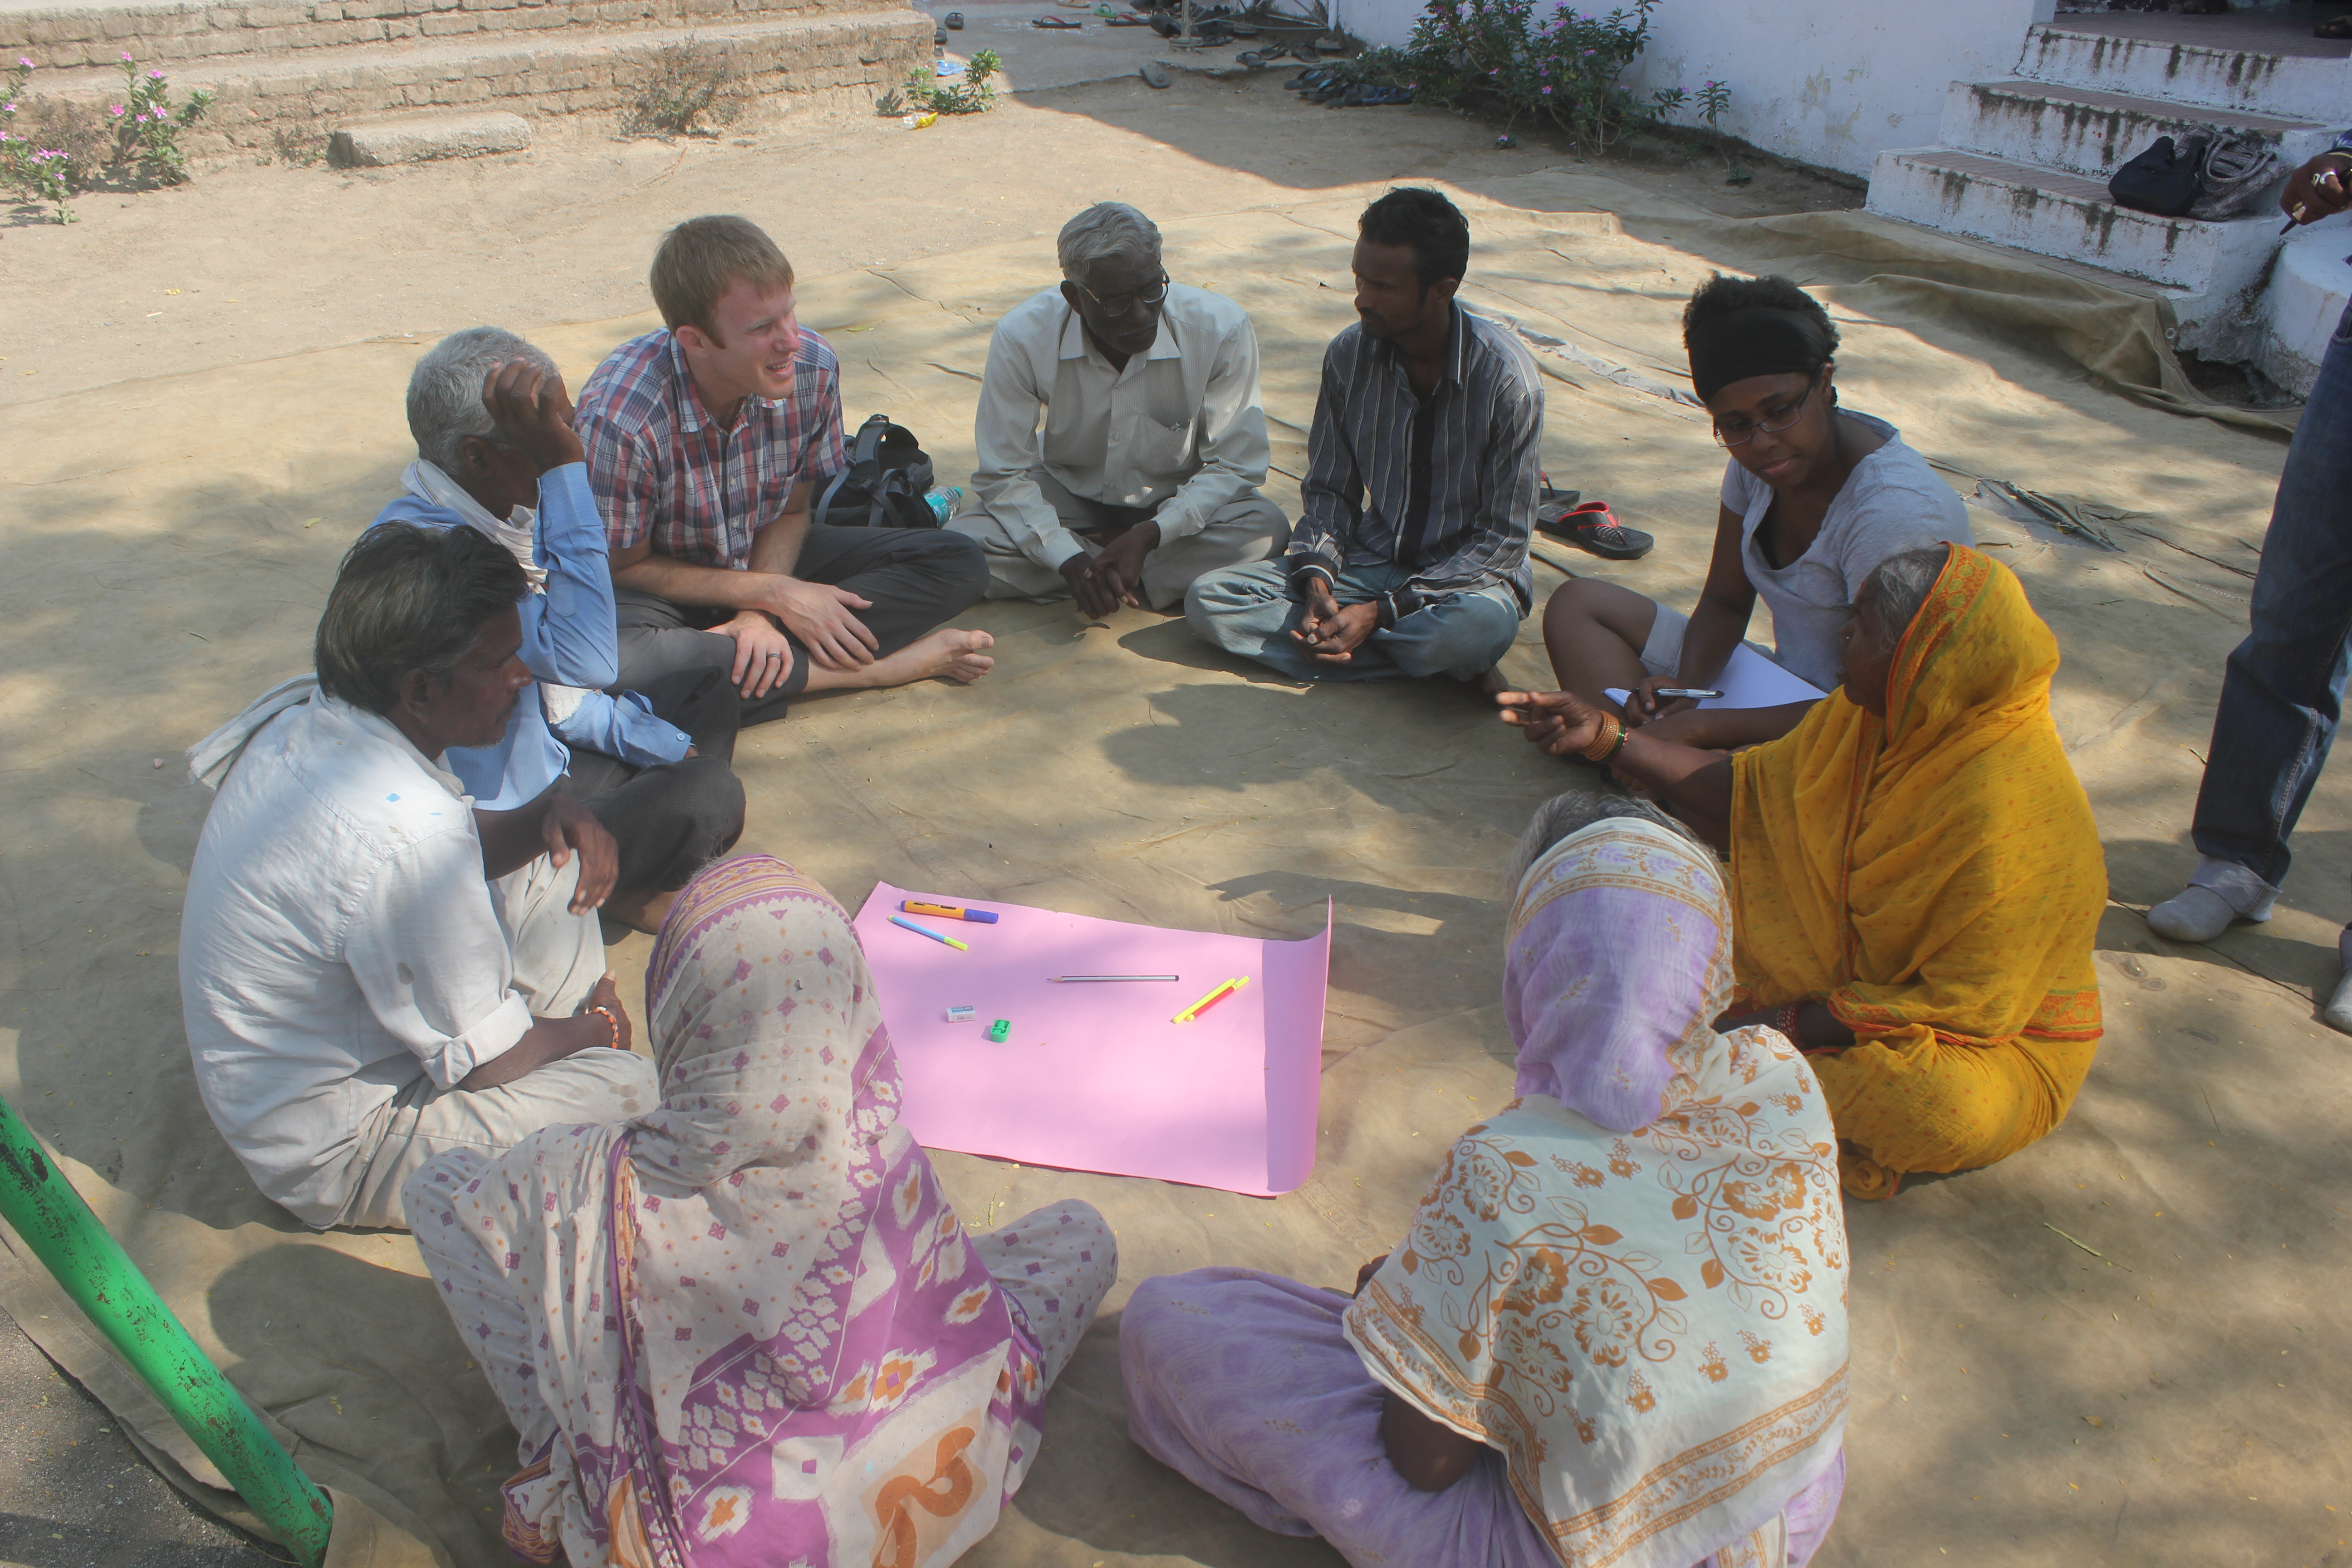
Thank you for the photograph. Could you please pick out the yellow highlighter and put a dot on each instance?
(1190, 1013)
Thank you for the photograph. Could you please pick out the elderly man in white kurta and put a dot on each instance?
(1120, 435)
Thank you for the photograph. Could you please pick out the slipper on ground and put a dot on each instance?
(1592, 527)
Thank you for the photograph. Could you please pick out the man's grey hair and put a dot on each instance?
(445, 390)
(1107, 231)
(1900, 585)
(1572, 813)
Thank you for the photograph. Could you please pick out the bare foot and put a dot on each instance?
(947, 654)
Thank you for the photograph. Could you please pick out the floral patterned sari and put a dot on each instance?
(1630, 1282)
(747, 1328)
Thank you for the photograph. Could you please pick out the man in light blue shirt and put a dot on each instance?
(495, 452)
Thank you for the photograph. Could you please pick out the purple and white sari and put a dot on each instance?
(746, 1328)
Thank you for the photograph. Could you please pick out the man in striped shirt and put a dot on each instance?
(704, 442)
(1411, 556)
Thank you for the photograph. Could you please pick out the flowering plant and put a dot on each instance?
(147, 127)
(1507, 57)
(52, 148)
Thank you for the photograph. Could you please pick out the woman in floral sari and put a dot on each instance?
(746, 1328)
(1616, 1332)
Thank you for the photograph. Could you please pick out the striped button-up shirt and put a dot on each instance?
(1445, 489)
(664, 469)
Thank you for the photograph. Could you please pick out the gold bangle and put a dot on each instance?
(1604, 745)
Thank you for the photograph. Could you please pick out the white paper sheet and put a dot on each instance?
(1750, 680)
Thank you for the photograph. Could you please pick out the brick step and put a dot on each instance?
(2082, 130)
(847, 54)
(2251, 63)
(175, 32)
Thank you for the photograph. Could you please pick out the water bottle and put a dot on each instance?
(942, 498)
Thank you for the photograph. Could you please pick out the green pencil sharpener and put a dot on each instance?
(999, 1030)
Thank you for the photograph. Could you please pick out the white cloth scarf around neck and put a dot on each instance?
(427, 480)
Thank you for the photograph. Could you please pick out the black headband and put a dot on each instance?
(1761, 340)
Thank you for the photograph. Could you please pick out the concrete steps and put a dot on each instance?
(306, 70)
(2038, 209)
(2023, 162)
(2232, 62)
(2083, 131)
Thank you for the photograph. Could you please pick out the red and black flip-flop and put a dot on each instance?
(1592, 527)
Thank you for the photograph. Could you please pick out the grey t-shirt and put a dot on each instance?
(1892, 502)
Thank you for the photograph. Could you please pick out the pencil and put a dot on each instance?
(926, 930)
(1073, 979)
(1211, 1000)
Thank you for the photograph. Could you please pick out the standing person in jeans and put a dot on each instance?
(1409, 557)
(704, 441)
(2283, 689)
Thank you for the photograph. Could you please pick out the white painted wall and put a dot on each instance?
(1828, 82)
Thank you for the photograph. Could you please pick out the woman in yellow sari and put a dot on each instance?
(1916, 881)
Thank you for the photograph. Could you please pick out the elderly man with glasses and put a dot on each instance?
(1120, 435)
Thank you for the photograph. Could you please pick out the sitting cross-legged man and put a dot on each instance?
(1411, 554)
(706, 440)
(1121, 437)
(356, 998)
(495, 452)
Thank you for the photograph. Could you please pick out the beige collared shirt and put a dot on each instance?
(1179, 431)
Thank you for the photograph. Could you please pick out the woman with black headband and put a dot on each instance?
(1814, 497)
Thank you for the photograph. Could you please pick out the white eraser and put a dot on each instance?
(962, 1014)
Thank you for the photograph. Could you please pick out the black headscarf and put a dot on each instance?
(1760, 340)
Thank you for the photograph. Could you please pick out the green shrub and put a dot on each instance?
(1503, 58)
(970, 91)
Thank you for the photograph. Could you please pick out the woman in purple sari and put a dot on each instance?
(746, 1328)
(1615, 1332)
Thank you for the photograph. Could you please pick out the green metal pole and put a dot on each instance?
(42, 1208)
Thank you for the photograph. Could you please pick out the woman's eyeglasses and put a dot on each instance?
(1119, 305)
(1738, 433)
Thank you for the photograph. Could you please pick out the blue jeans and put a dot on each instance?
(1249, 610)
(2283, 692)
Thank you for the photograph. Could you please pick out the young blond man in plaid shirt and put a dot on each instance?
(704, 441)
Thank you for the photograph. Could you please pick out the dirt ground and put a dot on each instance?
(2211, 1135)
(259, 262)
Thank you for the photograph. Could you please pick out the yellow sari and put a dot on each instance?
(1935, 879)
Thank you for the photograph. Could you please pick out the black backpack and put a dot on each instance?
(2164, 180)
(882, 486)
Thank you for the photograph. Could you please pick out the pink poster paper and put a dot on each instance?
(1099, 1077)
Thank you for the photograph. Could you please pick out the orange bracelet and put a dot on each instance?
(614, 1023)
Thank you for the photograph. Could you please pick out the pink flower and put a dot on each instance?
(26, 63)
(157, 75)
(115, 109)
(126, 57)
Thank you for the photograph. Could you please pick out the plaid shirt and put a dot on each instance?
(662, 470)
(1445, 489)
